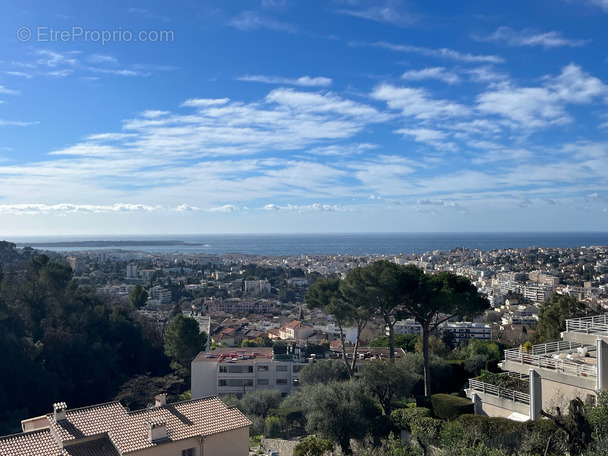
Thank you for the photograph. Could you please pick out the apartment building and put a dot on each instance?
(550, 374)
(231, 371)
(462, 330)
(192, 428)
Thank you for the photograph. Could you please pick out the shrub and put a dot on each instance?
(449, 407)
(472, 429)
(312, 446)
(273, 427)
(403, 418)
(427, 429)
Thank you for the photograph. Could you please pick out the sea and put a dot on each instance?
(322, 244)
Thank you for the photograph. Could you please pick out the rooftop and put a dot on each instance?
(109, 428)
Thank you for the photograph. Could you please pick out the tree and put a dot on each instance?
(327, 294)
(312, 446)
(385, 381)
(259, 402)
(183, 341)
(339, 411)
(552, 316)
(434, 300)
(324, 372)
(138, 297)
(381, 287)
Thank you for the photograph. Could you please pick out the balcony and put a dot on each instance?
(565, 361)
(587, 329)
(495, 394)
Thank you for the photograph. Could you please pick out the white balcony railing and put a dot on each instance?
(567, 366)
(555, 347)
(596, 324)
(504, 393)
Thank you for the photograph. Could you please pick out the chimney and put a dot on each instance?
(160, 400)
(157, 430)
(59, 411)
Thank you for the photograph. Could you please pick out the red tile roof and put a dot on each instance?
(127, 431)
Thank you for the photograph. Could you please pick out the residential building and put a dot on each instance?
(160, 295)
(77, 264)
(552, 373)
(462, 330)
(131, 271)
(257, 286)
(231, 371)
(192, 428)
(295, 330)
(465, 330)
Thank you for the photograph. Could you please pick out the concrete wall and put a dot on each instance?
(204, 379)
(231, 443)
(284, 447)
(492, 410)
(556, 394)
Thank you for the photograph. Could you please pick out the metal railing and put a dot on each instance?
(598, 323)
(503, 393)
(555, 347)
(557, 364)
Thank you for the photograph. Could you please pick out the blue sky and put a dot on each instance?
(261, 116)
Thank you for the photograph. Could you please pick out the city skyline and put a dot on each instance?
(277, 116)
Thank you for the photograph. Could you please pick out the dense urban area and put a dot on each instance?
(295, 344)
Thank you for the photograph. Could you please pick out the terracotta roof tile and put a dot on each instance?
(127, 431)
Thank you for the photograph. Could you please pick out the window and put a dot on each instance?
(235, 369)
(248, 382)
(189, 452)
(262, 381)
(249, 368)
(222, 382)
(297, 368)
(282, 368)
(223, 369)
(281, 381)
(262, 368)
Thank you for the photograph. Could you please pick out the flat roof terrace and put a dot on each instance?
(566, 357)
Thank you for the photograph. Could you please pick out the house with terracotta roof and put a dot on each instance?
(191, 428)
(296, 330)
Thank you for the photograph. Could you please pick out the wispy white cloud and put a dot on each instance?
(441, 53)
(6, 91)
(304, 81)
(387, 11)
(417, 103)
(66, 208)
(204, 102)
(539, 107)
(16, 123)
(530, 37)
(252, 20)
(439, 73)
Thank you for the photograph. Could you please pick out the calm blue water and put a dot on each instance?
(347, 244)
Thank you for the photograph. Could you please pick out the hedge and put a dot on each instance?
(448, 407)
(402, 419)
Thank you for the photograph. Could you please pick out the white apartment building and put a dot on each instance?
(462, 330)
(131, 271)
(233, 371)
(160, 295)
(257, 286)
(553, 373)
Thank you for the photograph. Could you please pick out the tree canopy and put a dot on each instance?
(183, 341)
(552, 316)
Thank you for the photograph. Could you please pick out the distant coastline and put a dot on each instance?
(108, 244)
(310, 244)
